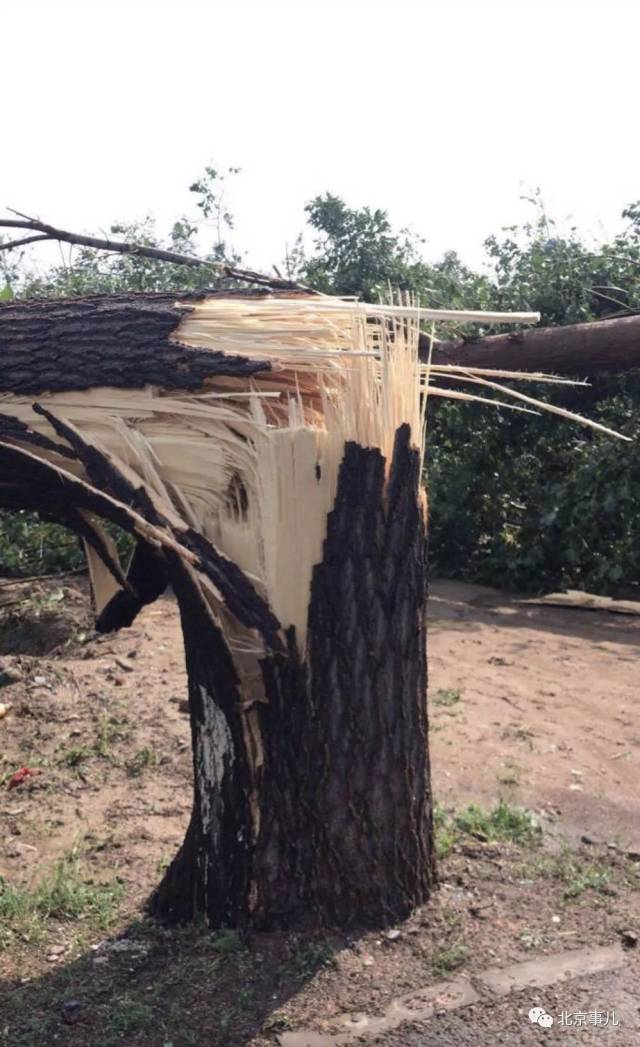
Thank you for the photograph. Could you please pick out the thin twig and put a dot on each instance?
(50, 232)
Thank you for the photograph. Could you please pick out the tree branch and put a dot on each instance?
(50, 232)
(582, 349)
(21, 243)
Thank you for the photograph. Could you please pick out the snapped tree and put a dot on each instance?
(265, 450)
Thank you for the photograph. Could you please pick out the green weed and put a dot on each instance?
(312, 956)
(504, 822)
(110, 730)
(140, 761)
(446, 698)
(62, 896)
(574, 874)
(444, 961)
(73, 756)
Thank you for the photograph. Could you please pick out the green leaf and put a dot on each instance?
(6, 294)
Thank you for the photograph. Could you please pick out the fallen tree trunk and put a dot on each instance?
(577, 349)
(129, 337)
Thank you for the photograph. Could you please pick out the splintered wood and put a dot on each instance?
(251, 462)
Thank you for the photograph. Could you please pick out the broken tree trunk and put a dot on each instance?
(577, 349)
(341, 793)
(265, 451)
(266, 455)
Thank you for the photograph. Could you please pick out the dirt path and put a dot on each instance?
(548, 713)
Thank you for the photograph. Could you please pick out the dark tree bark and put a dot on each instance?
(577, 349)
(147, 579)
(123, 341)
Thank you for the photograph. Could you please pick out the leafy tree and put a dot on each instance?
(357, 251)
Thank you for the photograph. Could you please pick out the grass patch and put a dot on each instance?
(446, 698)
(311, 956)
(227, 943)
(63, 896)
(444, 831)
(444, 961)
(574, 873)
(503, 823)
(510, 775)
(131, 1015)
(73, 756)
(140, 761)
(110, 730)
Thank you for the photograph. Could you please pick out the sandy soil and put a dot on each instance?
(549, 709)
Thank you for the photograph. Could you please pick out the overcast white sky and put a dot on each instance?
(441, 112)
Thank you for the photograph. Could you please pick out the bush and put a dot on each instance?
(537, 503)
(31, 546)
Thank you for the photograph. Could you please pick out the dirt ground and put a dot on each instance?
(548, 711)
(536, 706)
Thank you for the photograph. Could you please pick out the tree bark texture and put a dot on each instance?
(122, 341)
(578, 349)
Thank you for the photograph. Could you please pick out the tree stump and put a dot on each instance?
(265, 452)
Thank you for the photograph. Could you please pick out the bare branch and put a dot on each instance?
(20, 243)
(50, 232)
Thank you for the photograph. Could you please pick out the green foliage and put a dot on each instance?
(312, 955)
(503, 822)
(30, 545)
(357, 251)
(140, 761)
(537, 503)
(446, 960)
(227, 943)
(444, 830)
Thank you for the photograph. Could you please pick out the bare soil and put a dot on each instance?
(548, 712)
(534, 705)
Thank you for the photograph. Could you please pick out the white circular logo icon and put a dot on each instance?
(538, 1016)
